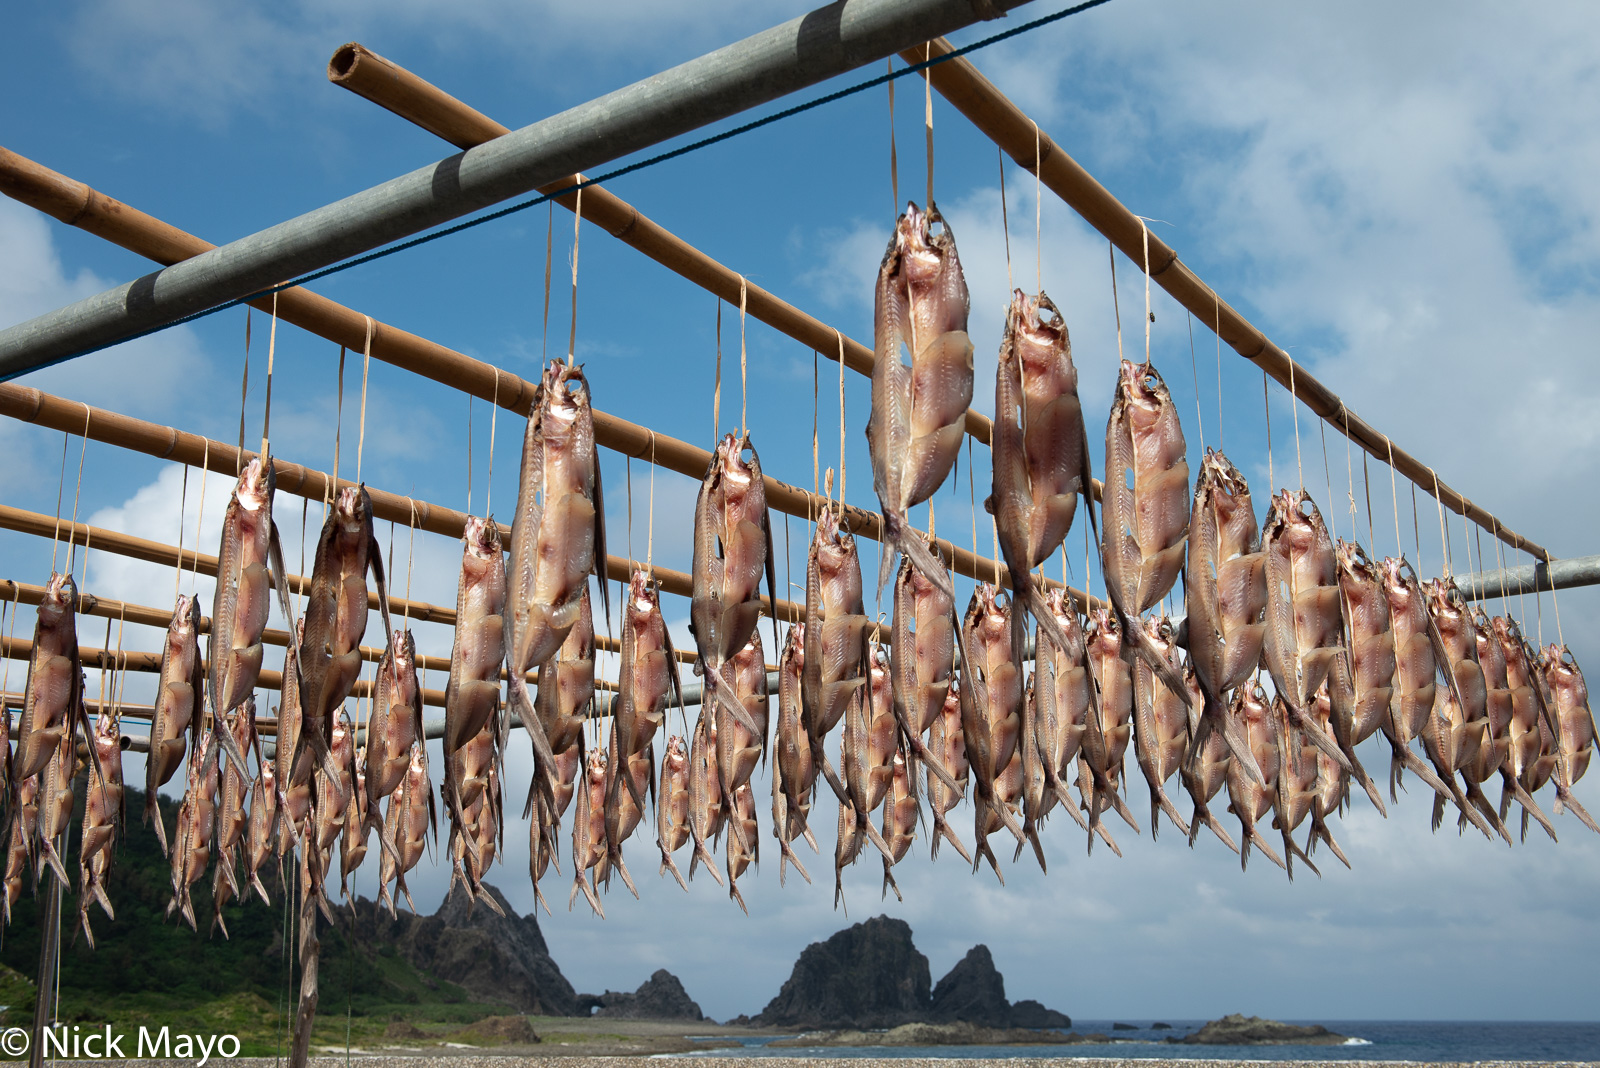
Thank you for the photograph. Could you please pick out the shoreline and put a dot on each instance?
(531, 1058)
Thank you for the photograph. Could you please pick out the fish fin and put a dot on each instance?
(1062, 795)
(1291, 850)
(864, 823)
(375, 561)
(1529, 807)
(621, 869)
(1316, 735)
(1146, 648)
(1204, 815)
(889, 883)
(1238, 746)
(1160, 801)
(786, 853)
(1404, 758)
(152, 815)
(600, 569)
(1319, 830)
(1483, 805)
(986, 853)
(54, 860)
(733, 892)
(667, 865)
(1259, 840)
(942, 829)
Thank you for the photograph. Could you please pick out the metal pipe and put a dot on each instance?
(78, 205)
(1531, 578)
(959, 82)
(764, 67)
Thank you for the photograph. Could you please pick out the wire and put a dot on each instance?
(631, 168)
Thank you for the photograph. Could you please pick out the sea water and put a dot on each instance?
(1369, 1040)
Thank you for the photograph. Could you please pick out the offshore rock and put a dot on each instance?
(1237, 1030)
(973, 992)
(866, 976)
(1030, 1013)
(661, 997)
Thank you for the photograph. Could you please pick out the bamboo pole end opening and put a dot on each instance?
(345, 60)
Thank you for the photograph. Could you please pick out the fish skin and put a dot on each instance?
(1332, 785)
(738, 749)
(1144, 505)
(1037, 799)
(173, 721)
(53, 703)
(411, 820)
(557, 541)
(794, 771)
(920, 661)
(1225, 596)
(1160, 727)
(562, 707)
(648, 675)
(672, 808)
(1304, 618)
(1249, 800)
(195, 826)
(945, 738)
(1040, 451)
(1575, 728)
(1065, 700)
(732, 550)
(292, 765)
(55, 808)
(856, 764)
(331, 801)
(835, 637)
(233, 812)
(622, 814)
(743, 817)
(1105, 741)
(918, 415)
(357, 824)
(249, 559)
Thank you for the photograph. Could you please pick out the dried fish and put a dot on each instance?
(1161, 727)
(589, 831)
(173, 718)
(52, 708)
(623, 815)
(55, 807)
(705, 794)
(1500, 704)
(394, 721)
(1248, 799)
(794, 770)
(1461, 719)
(835, 636)
(472, 696)
(1105, 741)
(918, 412)
(742, 815)
(19, 848)
(411, 819)
(233, 810)
(1529, 733)
(899, 821)
(1206, 772)
(261, 831)
(649, 673)
(195, 827)
(738, 749)
(1040, 449)
(991, 707)
(1575, 730)
(293, 772)
(672, 808)
(920, 661)
(1297, 779)
(946, 739)
(103, 814)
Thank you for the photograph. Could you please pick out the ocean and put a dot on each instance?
(1370, 1040)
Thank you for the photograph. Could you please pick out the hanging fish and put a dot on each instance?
(249, 557)
(589, 831)
(173, 718)
(411, 820)
(741, 814)
(991, 707)
(1040, 450)
(262, 828)
(649, 673)
(945, 738)
(55, 806)
(1160, 727)
(1297, 780)
(794, 770)
(1144, 507)
(899, 822)
(739, 749)
(565, 700)
(196, 825)
(1575, 730)
(1304, 621)
(1249, 799)
(918, 412)
(1105, 741)
(394, 721)
(835, 636)
(558, 538)
(622, 814)
(293, 772)
(1461, 719)
(732, 549)
(233, 810)
(1064, 700)
(52, 708)
(19, 849)
(103, 815)
(1501, 707)
(472, 696)
(358, 824)
(1225, 594)
(705, 794)
(1206, 772)
(672, 809)
(1529, 731)
(1331, 788)
(920, 661)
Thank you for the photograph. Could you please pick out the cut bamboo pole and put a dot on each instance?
(76, 204)
(959, 82)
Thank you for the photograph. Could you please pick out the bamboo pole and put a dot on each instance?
(959, 82)
(76, 204)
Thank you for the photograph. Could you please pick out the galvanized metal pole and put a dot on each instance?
(801, 52)
(1531, 578)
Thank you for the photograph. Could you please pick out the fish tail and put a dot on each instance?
(1319, 830)
(105, 904)
(889, 883)
(1529, 807)
(1564, 796)
(83, 918)
(733, 892)
(622, 869)
(54, 860)
(1211, 821)
(985, 853)
(942, 829)
(1159, 799)
(668, 865)
(1483, 805)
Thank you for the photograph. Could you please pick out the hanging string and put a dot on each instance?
(716, 399)
(272, 355)
(744, 391)
(1327, 476)
(183, 501)
(816, 456)
(627, 468)
(1444, 530)
(1266, 406)
(650, 528)
(549, 264)
(842, 422)
(894, 154)
(1294, 406)
(1416, 527)
(1399, 550)
(1194, 366)
(77, 495)
(411, 557)
(469, 454)
(494, 415)
(1366, 481)
(366, 368)
(1148, 317)
(577, 225)
(200, 518)
(1038, 212)
(244, 392)
(1116, 306)
(1218, 302)
(305, 505)
(338, 422)
(1350, 477)
(972, 493)
(16, 602)
(927, 96)
(61, 491)
(1005, 223)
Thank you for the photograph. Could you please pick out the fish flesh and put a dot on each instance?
(1305, 623)
(52, 707)
(1160, 727)
(1530, 733)
(233, 810)
(1065, 699)
(1297, 777)
(738, 749)
(920, 662)
(649, 674)
(261, 832)
(589, 831)
(857, 752)
(291, 763)
(1501, 705)
(623, 815)
(742, 815)
(394, 721)
(899, 821)
(411, 820)
(173, 719)
(919, 411)
(705, 794)
(835, 635)
(357, 824)
(472, 696)
(794, 771)
(1206, 771)
(991, 708)
(1331, 788)
(19, 849)
(732, 550)
(1040, 450)
(1575, 730)
(55, 807)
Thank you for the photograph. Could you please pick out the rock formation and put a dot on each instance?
(869, 975)
(872, 976)
(661, 997)
(1237, 1030)
(497, 959)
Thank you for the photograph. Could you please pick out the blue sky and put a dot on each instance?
(1400, 198)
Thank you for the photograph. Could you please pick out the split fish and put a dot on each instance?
(1249, 799)
(103, 815)
(1160, 727)
(794, 771)
(1575, 730)
(174, 719)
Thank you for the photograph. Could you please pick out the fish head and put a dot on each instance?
(795, 644)
(482, 538)
(1352, 560)
(254, 490)
(595, 767)
(185, 618)
(60, 598)
(677, 752)
(1507, 632)
(268, 776)
(559, 396)
(1160, 631)
(1230, 494)
(920, 257)
(1445, 604)
(1399, 581)
(1302, 523)
(1105, 633)
(1040, 334)
(1250, 702)
(642, 594)
(1143, 394)
(418, 767)
(403, 652)
(353, 510)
